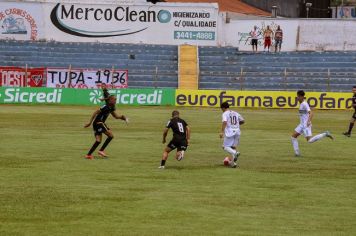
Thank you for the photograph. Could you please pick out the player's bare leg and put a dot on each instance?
(351, 125)
(110, 136)
(95, 145)
(295, 144)
(166, 151)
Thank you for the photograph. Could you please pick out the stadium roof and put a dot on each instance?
(232, 6)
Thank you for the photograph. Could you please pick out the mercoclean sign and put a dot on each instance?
(68, 96)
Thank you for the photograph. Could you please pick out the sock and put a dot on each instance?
(181, 156)
(317, 137)
(230, 150)
(163, 162)
(350, 127)
(107, 141)
(295, 146)
(95, 145)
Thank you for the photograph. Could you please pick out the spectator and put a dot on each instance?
(254, 38)
(268, 34)
(278, 39)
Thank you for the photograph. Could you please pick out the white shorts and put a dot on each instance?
(306, 131)
(232, 141)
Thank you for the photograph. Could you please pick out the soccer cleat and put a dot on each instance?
(233, 165)
(328, 134)
(347, 134)
(236, 156)
(89, 157)
(161, 167)
(102, 154)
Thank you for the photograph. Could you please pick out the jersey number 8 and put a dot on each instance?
(180, 127)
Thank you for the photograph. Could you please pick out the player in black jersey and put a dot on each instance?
(98, 119)
(181, 136)
(353, 118)
(106, 94)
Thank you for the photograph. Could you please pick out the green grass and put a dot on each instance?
(48, 188)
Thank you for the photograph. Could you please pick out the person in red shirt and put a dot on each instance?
(268, 34)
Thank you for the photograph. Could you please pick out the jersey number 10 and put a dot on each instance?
(233, 120)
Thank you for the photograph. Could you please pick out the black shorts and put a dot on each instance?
(100, 128)
(254, 42)
(180, 144)
(354, 115)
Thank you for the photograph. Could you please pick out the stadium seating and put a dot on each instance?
(222, 68)
(148, 65)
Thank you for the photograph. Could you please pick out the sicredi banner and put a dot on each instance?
(70, 96)
(261, 99)
(168, 23)
(83, 78)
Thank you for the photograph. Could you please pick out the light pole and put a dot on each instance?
(308, 6)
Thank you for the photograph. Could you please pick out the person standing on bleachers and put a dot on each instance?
(268, 34)
(254, 38)
(278, 39)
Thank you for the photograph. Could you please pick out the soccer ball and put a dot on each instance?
(226, 161)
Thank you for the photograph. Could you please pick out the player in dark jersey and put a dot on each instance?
(353, 118)
(106, 93)
(181, 136)
(98, 119)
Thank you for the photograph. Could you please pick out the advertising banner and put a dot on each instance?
(20, 77)
(161, 23)
(237, 33)
(69, 96)
(82, 78)
(344, 12)
(21, 21)
(261, 99)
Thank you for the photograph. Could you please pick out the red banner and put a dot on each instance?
(20, 77)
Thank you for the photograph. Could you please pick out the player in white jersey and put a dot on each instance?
(305, 125)
(230, 131)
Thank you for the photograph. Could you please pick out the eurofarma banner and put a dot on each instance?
(70, 96)
(261, 99)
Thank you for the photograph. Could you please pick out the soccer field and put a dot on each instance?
(48, 188)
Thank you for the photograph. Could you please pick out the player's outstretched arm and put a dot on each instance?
(164, 136)
(92, 118)
(122, 117)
